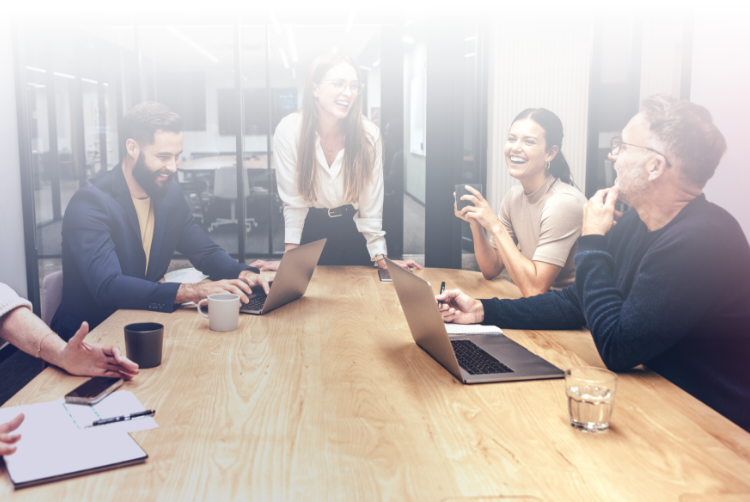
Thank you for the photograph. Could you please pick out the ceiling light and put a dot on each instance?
(283, 57)
(376, 63)
(192, 44)
(36, 69)
(89, 80)
(292, 45)
(64, 75)
(471, 55)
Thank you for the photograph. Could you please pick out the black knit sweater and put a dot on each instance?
(676, 299)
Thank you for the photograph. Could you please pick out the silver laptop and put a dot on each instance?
(471, 358)
(294, 274)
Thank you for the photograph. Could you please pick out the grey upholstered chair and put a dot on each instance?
(51, 295)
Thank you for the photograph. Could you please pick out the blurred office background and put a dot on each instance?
(442, 87)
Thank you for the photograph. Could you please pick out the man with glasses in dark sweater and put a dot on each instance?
(667, 284)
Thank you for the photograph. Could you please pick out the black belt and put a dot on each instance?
(335, 212)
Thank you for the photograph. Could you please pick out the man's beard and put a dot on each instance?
(633, 184)
(148, 179)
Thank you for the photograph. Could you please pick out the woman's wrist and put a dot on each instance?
(53, 350)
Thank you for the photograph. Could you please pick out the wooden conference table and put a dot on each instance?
(328, 398)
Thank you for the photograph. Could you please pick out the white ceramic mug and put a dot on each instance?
(223, 311)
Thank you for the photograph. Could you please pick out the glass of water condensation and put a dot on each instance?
(591, 397)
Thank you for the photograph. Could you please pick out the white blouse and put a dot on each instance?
(330, 190)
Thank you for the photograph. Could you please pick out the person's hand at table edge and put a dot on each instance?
(81, 358)
(459, 308)
(401, 263)
(7, 440)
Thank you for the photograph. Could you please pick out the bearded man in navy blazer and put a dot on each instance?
(121, 229)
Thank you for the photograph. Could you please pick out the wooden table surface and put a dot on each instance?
(328, 398)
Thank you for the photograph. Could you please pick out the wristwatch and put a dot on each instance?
(378, 257)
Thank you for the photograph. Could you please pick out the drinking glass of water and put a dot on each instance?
(591, 397)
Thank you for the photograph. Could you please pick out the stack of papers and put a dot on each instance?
(58, 442)
(472, 329)
(185, 276)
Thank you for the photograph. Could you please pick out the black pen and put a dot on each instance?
(442, 289)
(105, 421)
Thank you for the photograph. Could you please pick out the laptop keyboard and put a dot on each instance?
(475, 360)
(255, 303)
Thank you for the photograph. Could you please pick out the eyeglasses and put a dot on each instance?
(616, 143)
(340, 85)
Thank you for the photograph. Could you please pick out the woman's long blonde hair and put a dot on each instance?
(359, 146)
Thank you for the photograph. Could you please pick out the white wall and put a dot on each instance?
(661, 56)
(415, 167)
(538, 61)
(721, 83)
(12, 252)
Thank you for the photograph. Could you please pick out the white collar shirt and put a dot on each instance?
(330, 189)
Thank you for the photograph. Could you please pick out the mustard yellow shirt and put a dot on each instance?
(145, 211)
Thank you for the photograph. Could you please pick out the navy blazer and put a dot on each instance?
(104, 265)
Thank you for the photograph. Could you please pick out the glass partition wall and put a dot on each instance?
(81, 79)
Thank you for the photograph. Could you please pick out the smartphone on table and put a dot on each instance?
(93, 391)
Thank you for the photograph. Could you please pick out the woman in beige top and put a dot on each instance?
(535, 234)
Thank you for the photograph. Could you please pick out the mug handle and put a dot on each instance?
(200, 310)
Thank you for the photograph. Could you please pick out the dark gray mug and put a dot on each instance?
(144, 342)
(461, 191)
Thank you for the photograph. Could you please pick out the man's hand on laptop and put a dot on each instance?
(252, 279)
(458, 307)
(197, 292)
(263, 265)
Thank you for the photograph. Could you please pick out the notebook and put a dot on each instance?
(57, 441)
(44, 458)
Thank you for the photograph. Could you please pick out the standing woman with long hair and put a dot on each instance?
(329, 170)
(534, 236)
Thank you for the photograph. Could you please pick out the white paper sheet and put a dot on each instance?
(58, 416)
(185, 276)
(52, 455)
(472, 329)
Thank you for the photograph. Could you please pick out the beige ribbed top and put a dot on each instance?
(9, 300)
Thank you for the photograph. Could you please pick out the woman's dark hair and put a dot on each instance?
(553, 134)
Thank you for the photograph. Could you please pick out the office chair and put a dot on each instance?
(225, 187)
(51, 295)
(196, 194)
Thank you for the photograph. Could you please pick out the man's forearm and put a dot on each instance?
(554, 310)
(188, 293)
